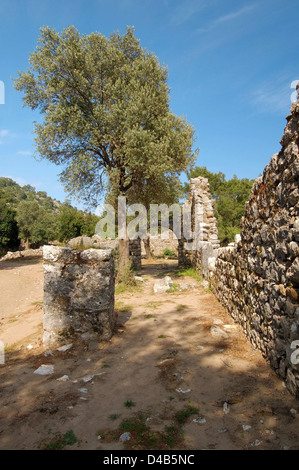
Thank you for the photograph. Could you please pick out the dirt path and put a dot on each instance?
(162, 370)
(21, 287)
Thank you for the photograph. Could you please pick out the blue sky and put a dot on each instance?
(231, 64)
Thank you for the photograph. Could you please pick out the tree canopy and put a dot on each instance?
(36, 218)
(106, 115)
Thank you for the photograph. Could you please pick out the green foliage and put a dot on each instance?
(230, 197)
(36, 225)
(143, 437)
(191, 272)
(8, 228)
(105, 104)
(73, 223)
(129, 403)
(37, 218)
(168, 252)
(182, 415)
(60, 441)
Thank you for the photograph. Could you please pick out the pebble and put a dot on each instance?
(44, 369)
(65, 348)
(217, 321)
(48, 353)
(87, 378)
(218, 332)
(256, 443)
(246, 427)
(126, 436)
(225, 408)
(64, 378)
(183, 390)
(83, 390)
(199, 420)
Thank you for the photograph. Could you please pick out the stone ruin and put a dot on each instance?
(203, 242)
(78, 295)
(257, 279)
(135, 249)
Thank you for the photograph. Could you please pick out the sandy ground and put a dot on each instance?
(161, 359)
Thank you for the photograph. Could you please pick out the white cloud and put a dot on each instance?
(24, 152)
(18, 180)
(273, 96)
(187, 10)
(226, 18)
(5, 133)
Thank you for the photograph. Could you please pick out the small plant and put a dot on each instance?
(143, 437)
(182, 415)
(174, 288)
(168, 252)
(149, 316)
(114, 416)
(129, 403)
(162, 337)
(208, 289)
(60, 441)
(190, 272)
(126, 276)
(181, 307)
(124, 308)
(153, 305)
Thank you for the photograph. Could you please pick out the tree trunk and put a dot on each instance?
(27, 244)
(147, 247)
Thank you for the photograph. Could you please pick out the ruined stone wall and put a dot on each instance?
(159, 244)
(78, 295)
(109, 243)
(135, 252)
(258, 279)
(196, 250)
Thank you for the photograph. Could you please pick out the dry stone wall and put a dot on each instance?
(158, 243)
(203, 244)
(109, 243)
(258, 279)
(78, 295)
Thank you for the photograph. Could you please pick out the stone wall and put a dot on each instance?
(78, 295)
(203, 243)
(258, 279)
(109, 243)
(159, 244)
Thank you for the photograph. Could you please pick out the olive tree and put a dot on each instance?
(106, 112)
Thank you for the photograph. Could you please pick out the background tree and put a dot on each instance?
(106, 115)
(36, 225)
(9, 234)
(155, 190)
(73, 223)
(230, 197)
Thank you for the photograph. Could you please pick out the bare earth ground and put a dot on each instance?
(161, 359)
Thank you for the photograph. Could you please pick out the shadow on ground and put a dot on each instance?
(161, 359)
